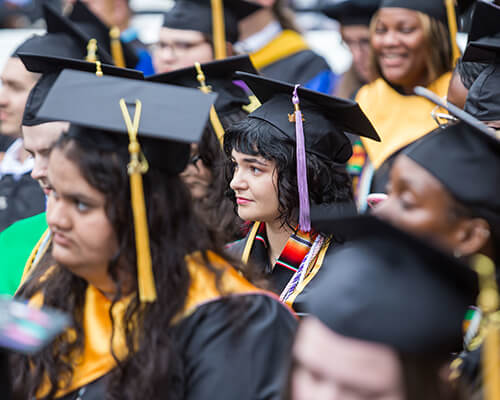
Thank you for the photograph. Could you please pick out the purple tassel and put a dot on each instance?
(304, 212)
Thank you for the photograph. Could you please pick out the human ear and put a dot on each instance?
(472, 236)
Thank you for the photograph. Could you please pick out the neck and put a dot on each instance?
(277, 236)
(255, 23)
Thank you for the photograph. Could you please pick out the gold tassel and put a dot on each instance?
(249, 244)
(98, 69)
(136, 168)
(218, 29)
(452, 26)
(488, 302)
(214, 118)
(91, 51)
(116, 47)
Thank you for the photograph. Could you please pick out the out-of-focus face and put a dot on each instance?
(178, 48)
(400, 47)
(256, 188)
(83, 238)
(457, 92)
(357, 38)
(16, 83)
(328, 366)
(38, 141)
(197, 176)
(418, 203)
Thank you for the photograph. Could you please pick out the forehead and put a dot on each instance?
(397, 16)
(236, 155)
(180, 34)
(345, 360)
(415, 176)
(43, 135)
(14, 70)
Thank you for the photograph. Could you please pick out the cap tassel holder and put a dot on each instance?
(214, 118)
(488, 302)
(452, 26)
(91, 51)
(218, 29)
(136, 168)
(304, 211)
(116, 47)
(98, 69)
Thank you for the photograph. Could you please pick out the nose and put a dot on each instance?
(238, 183)
(3, 95)
(390, 38)
(57, 215)
(39, 170)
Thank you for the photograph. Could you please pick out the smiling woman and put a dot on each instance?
(411, 46)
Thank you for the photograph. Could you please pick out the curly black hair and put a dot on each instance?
(328, 181)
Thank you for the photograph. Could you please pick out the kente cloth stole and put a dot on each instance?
(295, 250)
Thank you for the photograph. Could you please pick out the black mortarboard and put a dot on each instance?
(54, 44)
(434, 8)
(467, 163)
(98, 30)
(389, 287)
(484, 36)
(483, 99)
(59, 24)
(219, 77)
(351, 12)
(325, 118)
(172, 117)
(196, 15)
(50, 68)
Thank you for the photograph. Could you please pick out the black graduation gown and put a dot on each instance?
(299, 67)
(229, 353)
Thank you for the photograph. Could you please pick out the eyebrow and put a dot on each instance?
(254, 160)
(80, 197)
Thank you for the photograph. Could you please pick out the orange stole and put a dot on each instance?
(398, 119)
(96, 359)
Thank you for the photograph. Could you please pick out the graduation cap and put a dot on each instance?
(219, 22)
(59, 24)
(54, 44)
(483, 100)
(316, 122)
(50, 67)
(214, 76)
(484, 36)
(108, 38)
(392, 288)
(441, 10)
(155, 123)
(351, 12)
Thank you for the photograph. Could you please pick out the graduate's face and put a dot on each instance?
(255, 186)
(16, 83)
(38, 141)
(328, 366)
(419, 203)
(178, 48)
(83, 238)
(197, 176)
(400, 46)
(357, 38)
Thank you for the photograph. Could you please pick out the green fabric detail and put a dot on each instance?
(16, 245)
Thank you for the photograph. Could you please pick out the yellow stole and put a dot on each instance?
(28, 267)
(398, 119)
(288, 42)
(96, 359)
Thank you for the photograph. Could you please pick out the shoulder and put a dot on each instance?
(377, 86)
(440, 85)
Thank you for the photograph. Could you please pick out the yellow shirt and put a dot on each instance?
(398, 119)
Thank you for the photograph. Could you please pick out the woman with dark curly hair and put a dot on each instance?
(161, 318)
(281, 164)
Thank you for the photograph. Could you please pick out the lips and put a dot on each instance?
(241, 201)
(61, 240)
